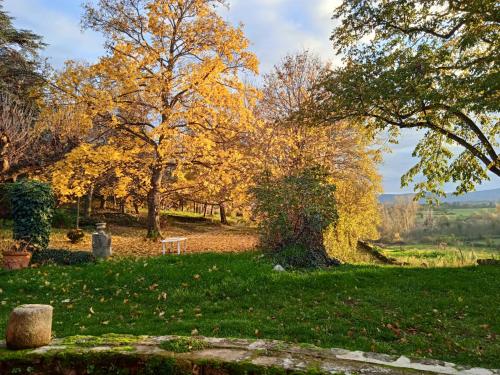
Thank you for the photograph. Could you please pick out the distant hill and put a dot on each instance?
(492, 195)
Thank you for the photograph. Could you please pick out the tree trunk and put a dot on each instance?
(136, 208)
(122, 206)
(223, 218)
(205, 210)
(4, 158)
(87, 209)
(103, 203)
(78, 213)
(154, 229)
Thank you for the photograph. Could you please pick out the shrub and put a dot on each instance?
(5, 208)
(297, 256)
(32, 208)
(62, 257)
(63, 218)
(75, 235)
(294, 211)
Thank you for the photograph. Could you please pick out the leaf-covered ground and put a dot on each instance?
(128, 241)
(444, 313)
(131, 241)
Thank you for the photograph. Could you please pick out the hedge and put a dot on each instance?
(32, 205)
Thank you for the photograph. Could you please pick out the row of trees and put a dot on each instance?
(167, 114)
(399, 218)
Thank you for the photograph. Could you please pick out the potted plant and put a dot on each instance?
(17, 256)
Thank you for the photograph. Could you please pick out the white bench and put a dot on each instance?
(172, 241)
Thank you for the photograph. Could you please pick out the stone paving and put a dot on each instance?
(201, 355)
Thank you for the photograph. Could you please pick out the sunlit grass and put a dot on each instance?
(439, 256)
(444, 313)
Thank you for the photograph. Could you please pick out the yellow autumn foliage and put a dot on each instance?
(290, 139)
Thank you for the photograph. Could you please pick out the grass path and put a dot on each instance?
(444, 313)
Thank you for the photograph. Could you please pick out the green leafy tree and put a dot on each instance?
(294, 212)
(429, 65)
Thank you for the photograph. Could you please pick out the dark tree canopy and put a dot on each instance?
(20, 83)
(19, 60)
(429, 65)
(29, 141)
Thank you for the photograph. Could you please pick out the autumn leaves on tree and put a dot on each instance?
(170, 83)
(166, 115)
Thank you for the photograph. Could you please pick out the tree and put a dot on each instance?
(17, 130)
(289, 139)
(294, 211)
(428, 65)
(117, 167)
(20, 65)
(170, 75)
(37, 128)
(20, 87)
(227, 171)
(35, 136)
(398, 218)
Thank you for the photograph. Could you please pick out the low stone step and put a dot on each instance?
(117, 354)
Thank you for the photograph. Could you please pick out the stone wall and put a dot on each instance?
(122, 354)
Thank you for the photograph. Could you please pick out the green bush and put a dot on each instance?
(294, 211)
(296, 256)
(63, 218)
(5, 208)
(61, 257)
(32, 208)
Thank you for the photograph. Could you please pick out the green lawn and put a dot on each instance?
(444, 313)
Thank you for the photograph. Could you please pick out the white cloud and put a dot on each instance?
(60, 29)
(279, 27)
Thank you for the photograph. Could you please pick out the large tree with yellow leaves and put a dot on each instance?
(291, 139)
(171, 75)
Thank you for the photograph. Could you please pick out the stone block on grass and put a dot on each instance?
(29, 326)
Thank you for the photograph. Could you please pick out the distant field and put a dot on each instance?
(463, 213)
(438, 256)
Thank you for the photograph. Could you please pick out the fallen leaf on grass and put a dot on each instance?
(162, 296)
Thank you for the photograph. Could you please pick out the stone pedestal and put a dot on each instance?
(101, 242)
(29, 326)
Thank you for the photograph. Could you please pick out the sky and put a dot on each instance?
(274, 27)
